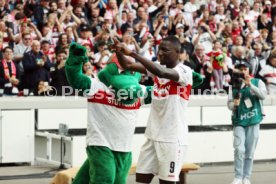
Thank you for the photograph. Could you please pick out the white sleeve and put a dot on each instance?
(97, 57)
(230, 101)
(16, 51)
(185, 74)
(260, 91)
(262, 71)
(95, 86)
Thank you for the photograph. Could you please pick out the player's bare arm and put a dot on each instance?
(144, 64)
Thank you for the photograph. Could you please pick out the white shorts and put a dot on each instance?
(162, 159)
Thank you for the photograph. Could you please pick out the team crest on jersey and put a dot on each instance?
(165, 88)
(163, 81)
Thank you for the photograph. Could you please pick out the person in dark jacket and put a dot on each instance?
(40, 13)
(36, 67)
(58, 74)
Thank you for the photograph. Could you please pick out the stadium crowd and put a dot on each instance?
(214, 34)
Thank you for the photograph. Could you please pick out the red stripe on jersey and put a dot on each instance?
(105, 98)
(270, 75)
(171, 88)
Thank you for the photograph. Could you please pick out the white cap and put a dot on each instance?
(268, 2)
(179, 25)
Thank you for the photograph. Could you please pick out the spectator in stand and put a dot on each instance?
(95, 20)
(53, 7)
(130, 42)
(66, 18)
(263, 22)
(129, 22)
(199, 59)
(233, 23)
(20, 49)
(63, 42)
(235, 11)
(9, 75)
(268, 74)
(257, 60)
(78, 11)
(43, 89)
(220, 16)
(238, 41)
(218, 61)
(58, 74)
(6, 34)
(111, 9)
(36, 67)
(86, 36)
(88, 69)
(268, 9)
(47, 50)
(247, 17)
(161, 32)
(40, 13)
(238, 54)
(61, 6)
(251, 29)
(205, 37)
(4, 11)
(264, 39)
(255, 12)
(102, 56)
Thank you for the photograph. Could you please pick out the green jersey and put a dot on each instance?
(249, 111)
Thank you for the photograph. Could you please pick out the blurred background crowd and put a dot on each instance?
(215, 35)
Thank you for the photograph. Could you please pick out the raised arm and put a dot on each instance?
(129, 65)
(156, 69)
(144, 64)
(73, 68)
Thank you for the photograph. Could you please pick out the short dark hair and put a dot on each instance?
(45, 42)
(174, 41)
(61, 52)
(8, 47)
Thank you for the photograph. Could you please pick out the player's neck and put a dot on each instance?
(172, 65)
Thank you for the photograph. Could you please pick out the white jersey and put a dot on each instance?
(110, 123)
(269, 73)
(167, 120)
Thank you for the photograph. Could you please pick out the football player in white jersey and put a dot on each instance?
(164, 151)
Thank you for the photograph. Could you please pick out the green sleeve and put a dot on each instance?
(73, 69)
(197, 80)
(148, 95)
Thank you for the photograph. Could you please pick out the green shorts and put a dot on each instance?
(104, 166)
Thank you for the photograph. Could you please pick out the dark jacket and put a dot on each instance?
(196, 65)
(32, 72)
(39, 16)
(59, 79)
(4, 12)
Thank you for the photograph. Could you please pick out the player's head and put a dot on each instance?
(169, 50)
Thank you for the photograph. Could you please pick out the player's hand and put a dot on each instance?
(120, 47)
